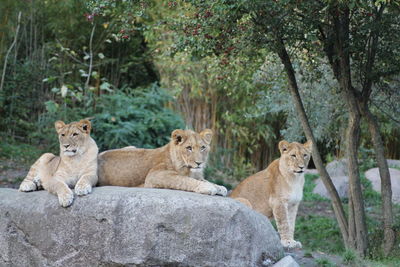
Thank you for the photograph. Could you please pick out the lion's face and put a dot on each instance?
(295, 156)
(73, 136)
(190, 148)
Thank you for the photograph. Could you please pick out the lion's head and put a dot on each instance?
(190, 149)
(294, 156)
(73, 137)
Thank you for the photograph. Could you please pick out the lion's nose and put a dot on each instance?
(301, 167)
(66, 146)
(198, 163)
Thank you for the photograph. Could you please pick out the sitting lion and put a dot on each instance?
(76, 165)
(177, 165)
(278, 190)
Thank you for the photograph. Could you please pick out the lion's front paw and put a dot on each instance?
(66, 199)
(27, 186)
(206, 188)
(290, 243)
(222, 191)
(82, 189)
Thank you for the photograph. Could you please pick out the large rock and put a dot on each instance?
(375, 178)
(393, 163)
(341, 184)
(337, 168)
(338, 172)
(287, 261)
(117, 226)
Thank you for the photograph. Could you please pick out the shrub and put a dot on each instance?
(136, 117)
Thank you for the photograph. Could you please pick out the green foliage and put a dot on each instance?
(371, 197)
(367, 158)
(317, 232)
(324, 262)
(217, 170)
(18, 151)
(349, 257)
(135, 117)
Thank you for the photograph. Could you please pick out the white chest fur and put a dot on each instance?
(296, 186)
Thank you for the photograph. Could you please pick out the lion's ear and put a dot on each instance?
(308, 146)
(283, 146)
(59, 125)
(178, 136)
(207, 135)
(85, 125)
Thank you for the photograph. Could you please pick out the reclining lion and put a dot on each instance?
(177, 165)
(75, 167)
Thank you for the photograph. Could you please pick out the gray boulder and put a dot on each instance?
(393, 163)
(117, 226)
(287, 261)
(341, 184)
(337, 168)
(375, 178)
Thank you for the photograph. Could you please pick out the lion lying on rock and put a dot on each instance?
(75, 167)
(177, 165)
(277, 191)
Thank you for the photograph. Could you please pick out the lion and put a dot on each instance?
(277, 191)
(178, 165)
(75, 167)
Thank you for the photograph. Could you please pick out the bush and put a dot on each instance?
(136, 117)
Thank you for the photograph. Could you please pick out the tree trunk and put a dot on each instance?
(356, 205)
(294, 91)
(341, 26)
(386, 185)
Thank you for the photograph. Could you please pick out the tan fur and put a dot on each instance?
(277, 191)
(75, 167)
(177, 165)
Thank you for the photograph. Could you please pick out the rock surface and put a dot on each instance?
(117, 226)
(287, 261)
(375, 178)
(337, 168)
(393, 163)
(341, 184)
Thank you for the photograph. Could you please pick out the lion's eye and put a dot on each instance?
(293, 156)
(74, 134)
(203, 148)
(62, 134)
(189, 148)
(305, 155)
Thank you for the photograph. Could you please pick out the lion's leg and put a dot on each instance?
(85, 184)
(171, 180)
(292, 209)
(87, 180)
(41, 167)
(55, 185)
(281, 215)
(198, 175)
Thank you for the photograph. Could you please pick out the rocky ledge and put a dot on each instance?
(117, 226)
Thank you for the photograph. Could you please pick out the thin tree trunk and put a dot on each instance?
(9, 51)
(341, 28)
(90, 60)
(386, 185)
(357, 204)
(294, 91)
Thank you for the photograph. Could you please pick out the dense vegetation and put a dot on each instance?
(140, 69)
